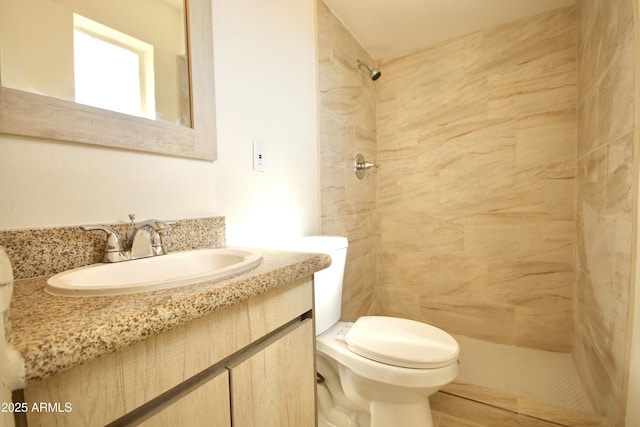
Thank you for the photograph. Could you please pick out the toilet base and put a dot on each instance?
(335, 409)
(382, 414)
(340, 405)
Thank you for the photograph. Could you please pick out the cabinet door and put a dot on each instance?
(275, 386)
(206, 406)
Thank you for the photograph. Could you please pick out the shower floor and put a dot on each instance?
(536, 383)
(535, 374)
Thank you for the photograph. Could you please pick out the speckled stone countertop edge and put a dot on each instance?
(54, 334)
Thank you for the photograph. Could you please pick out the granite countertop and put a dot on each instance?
(54, 333)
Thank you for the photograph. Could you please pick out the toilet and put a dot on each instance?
(377, 371)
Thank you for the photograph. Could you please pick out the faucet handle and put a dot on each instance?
(151, 232)
(113, 239)
(162, 229)
(113, 249)
(157, 225)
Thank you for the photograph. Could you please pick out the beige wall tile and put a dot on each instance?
(388, 269)
(543, 328)
(399, 302)
(468, 145)
(347, 118)
(422, 68)
(560, 187)
(546, 138)
(592, 180)
(612, 28)
(495, 187)
(476, 187)
(453, 395)
(523, 40)
(559, 194)
(535, 101)
(337, 138)
(587, 122)
(615, 99)
(530, 284)
(459, 276)
(419, 232)
(587, 53)
(603, 392)
(522, 237)
(457, 98)
(401, 150)
(445, 420)
(501, 209)
(604, 222)
(470, 317)
(459, 411)
(543, 84)
(405, 190)
(620, 176)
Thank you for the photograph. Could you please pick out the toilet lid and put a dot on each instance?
(401, 342)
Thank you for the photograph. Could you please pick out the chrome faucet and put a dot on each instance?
(146, 240)
(113, 249)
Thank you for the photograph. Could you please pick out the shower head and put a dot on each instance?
(374, 73)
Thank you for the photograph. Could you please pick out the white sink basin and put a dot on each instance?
(159, 272)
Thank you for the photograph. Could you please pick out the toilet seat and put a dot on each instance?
(401, 342)
(331, 344)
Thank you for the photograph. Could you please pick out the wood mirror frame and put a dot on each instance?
(27, 114)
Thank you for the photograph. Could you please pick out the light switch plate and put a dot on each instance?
(258, 156)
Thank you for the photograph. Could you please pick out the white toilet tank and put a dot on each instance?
(328, 282)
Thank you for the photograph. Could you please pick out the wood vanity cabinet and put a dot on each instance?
(207, 406)
(267, 389)
(251, 364)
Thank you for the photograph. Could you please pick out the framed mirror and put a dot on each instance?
(173, 108)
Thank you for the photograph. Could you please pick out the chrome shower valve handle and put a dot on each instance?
(361, 165)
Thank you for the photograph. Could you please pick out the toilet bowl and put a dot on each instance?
(377, 371)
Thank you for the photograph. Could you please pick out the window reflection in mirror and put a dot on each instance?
(140, 46)
(112, 70)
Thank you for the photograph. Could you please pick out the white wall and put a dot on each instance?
(266, 88)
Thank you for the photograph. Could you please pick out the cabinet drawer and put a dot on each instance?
(275, 385)
(207, 406)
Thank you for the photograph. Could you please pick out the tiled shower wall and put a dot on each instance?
(606, 139)
(476, 186)
(481, 153)
(348, 126)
